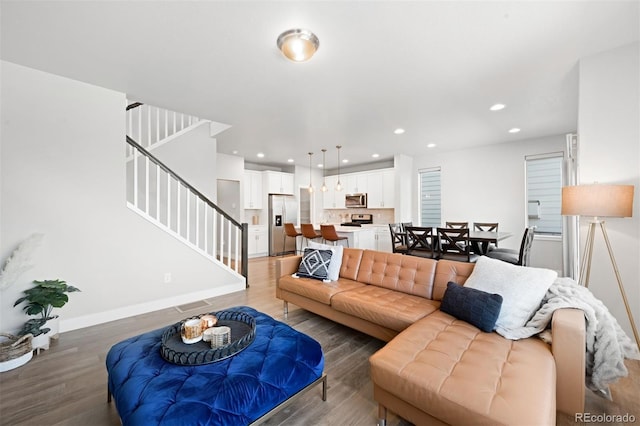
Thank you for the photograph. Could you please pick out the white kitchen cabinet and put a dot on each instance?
(333, 199)
(279, 182)
(363, 238)
(355, 183)
(258, 241)
(383, 239)
(253, 193)
(381, 192)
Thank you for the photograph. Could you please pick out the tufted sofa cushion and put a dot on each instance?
(394, 271)
(382, 306)
(238, 390)
(457, 374)
(316, 290)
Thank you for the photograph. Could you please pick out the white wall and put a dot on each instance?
(609, 138)
(63, 175)
(487, 184)
(193, 157)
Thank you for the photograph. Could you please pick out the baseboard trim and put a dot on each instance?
(143, 308)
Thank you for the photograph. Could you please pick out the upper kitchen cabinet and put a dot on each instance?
(381, 192)
(279, 182)
(252, 189)
(333, 199)
(355, 183)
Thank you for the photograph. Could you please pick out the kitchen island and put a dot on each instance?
(363, 237)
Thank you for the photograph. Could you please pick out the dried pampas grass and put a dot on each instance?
(21, 260)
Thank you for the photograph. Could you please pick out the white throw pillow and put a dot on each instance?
(336, 258)
(522, 289)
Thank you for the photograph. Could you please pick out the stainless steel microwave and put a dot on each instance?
(355, 201)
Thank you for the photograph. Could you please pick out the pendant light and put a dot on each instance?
(324, 181)
(310, 185)
(338, 184)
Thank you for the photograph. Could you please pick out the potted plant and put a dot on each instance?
(41, 299)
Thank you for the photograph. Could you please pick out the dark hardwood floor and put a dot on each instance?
(66, 385)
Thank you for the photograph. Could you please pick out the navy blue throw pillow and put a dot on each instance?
(474, 306)
(315, 264)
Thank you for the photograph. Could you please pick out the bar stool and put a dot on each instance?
(329, 233)
(290, 231)
(308, 232)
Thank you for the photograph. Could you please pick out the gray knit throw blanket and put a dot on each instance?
(607, 344)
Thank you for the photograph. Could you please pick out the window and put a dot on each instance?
(544, 192)
(430, 197)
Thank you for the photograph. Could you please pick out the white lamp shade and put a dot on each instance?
(598, 200)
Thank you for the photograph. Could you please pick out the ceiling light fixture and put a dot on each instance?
(514, 130)
(290, 160)
(324, 180)
(338, 185)
(431, 145)
(260, 155)
(497, 107)
(398, 131)
(375, 155)
(310, 185)
(298, 45)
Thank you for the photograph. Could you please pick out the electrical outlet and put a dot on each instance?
(167, 277)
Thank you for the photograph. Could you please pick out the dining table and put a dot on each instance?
(480, 240)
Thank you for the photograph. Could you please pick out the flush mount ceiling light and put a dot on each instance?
(497, 107)
(298, 45)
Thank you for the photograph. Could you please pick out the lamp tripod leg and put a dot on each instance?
(585, 266)
(622, 292)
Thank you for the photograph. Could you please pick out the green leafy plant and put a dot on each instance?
(44, 296)
(34, 326)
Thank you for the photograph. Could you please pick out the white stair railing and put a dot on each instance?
(152, 127)
(165, 199)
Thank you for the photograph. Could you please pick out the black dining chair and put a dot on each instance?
(456, 224)
(398, 238)
(453, 244)
(421, 241)
(516, 257)
(489, 227)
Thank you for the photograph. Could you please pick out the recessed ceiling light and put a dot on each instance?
(235, 151)
(514, 130)
(431, 145)
(320, 165)
(375, 155)
(497, 107)
(260, 155)
(290, 160)
(398, 131)
(345, 161)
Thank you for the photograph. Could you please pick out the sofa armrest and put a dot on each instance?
(286, 266)
(568, 348)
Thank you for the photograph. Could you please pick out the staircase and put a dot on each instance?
(165, 199)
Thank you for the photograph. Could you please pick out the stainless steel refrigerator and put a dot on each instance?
(282, 209)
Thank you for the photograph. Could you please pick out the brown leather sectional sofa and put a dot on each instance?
(437, 369)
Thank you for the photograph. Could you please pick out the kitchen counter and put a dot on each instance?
(363, 237)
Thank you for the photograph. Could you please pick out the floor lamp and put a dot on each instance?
(599, 201)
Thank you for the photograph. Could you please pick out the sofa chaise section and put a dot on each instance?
(446, 369)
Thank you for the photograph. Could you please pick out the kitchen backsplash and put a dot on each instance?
(381, 216)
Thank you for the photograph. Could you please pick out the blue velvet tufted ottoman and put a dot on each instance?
(247, 388)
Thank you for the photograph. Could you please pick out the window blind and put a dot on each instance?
(430, 197)
(544, 192)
